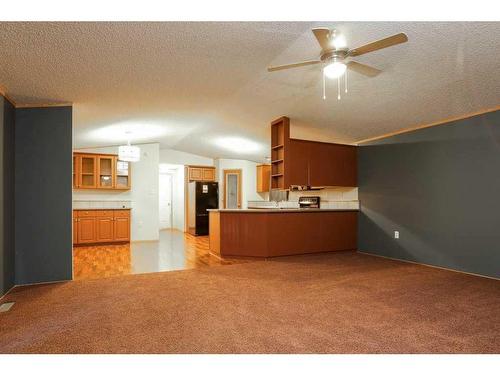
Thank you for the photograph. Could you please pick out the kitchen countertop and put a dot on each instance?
(100, 209)
(280, 210)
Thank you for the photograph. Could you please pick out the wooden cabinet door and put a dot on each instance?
(86, 230)
(122, 228)
(76, 171)
(106, 171)
(104, 229)
(75, 230)
(195, 174)
(87, 169)
(332, 165)
(208, 174)
(122, 174)
(263, 178)
(296, 168)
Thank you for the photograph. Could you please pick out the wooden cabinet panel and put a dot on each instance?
(104, 229)
(297, 163)
(100, 226)
(332, 165)
(263, 178)
(86, 230)
(87, 169)
(75, 229)
(122, 229)
(309, 163)
(208, 174)
(100, 171)
(105, 172)
(76, 172)
(123, 174)
(195, 174)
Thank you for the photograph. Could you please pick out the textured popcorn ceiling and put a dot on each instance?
(186, 84)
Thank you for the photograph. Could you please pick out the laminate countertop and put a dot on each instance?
(279, 210)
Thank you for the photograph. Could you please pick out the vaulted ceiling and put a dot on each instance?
(190, 85)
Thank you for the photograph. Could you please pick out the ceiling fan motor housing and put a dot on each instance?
(334, 55)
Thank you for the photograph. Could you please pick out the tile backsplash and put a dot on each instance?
(339, 194)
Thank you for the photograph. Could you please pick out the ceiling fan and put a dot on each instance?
(335, 56)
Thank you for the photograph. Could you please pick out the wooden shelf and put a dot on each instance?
(277, 161)
(277, 175)
(275, 147)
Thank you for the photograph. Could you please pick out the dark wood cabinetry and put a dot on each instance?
(309, 163)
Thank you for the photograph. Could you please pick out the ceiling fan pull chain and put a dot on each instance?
(338, 88)
(346, 81)
(324, 88)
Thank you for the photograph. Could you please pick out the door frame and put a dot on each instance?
(239, 173)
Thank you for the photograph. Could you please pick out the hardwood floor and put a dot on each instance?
(174, 251)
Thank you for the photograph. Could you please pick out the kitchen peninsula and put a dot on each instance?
(278, 232)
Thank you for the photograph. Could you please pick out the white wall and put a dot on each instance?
(169, 156)
(248, 177)
(143, 193)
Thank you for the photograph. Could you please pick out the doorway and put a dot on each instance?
(232, 188)
(166, 200)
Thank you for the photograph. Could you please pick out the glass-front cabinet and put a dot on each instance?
(122, 174)
(87, 166)
(100, 171)
(106, 173)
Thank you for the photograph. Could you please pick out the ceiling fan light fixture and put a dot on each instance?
(334, 69)
(339, 41)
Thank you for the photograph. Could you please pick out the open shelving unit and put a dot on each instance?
(280, 135)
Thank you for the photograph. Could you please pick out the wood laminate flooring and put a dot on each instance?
(174, 251)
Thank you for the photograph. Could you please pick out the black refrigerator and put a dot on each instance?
(201, 197)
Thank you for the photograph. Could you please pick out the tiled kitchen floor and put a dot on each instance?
(174, 251)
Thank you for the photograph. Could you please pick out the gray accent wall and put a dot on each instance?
(440, 188)
(6, 195)
(43, 182)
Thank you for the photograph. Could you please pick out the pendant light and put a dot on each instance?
(129, 152)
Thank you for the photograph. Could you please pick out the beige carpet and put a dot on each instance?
(330, 303)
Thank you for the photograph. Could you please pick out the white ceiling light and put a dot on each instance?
(239, 145)
(334, 69)
(129, 152)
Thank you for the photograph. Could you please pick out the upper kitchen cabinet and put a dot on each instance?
(309, 163)
(100, 171)
(87, 171)
(199, 173)
(122, 180)
(105, 171)
(263, 178)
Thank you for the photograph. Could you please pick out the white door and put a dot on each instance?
(166, 200)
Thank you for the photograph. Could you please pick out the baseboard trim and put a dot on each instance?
(7, 292)
(430, 265)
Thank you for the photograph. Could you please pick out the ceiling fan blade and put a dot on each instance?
(363, 69)
(379, 44)
(295, 65)
(322, 34)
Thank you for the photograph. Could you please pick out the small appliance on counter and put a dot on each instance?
(201, 197)
(309, 202)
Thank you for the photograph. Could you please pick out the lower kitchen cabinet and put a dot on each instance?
(101, 226)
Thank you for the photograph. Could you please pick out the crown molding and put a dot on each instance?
(436, 123)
